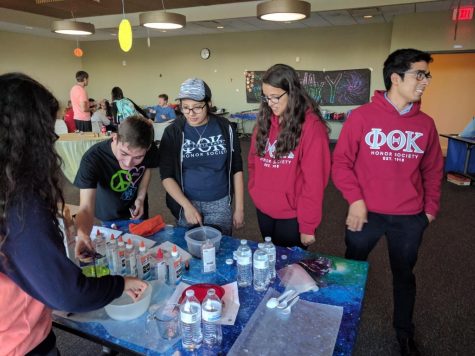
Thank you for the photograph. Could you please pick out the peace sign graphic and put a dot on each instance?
(120, 181)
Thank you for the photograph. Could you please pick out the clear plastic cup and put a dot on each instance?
(169, 229)
(168, 321)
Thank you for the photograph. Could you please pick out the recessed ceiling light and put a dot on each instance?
(163, 31)
(368, 16)
(29, 27)
(220, 27)
(458, 46)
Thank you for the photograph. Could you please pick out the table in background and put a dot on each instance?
(459, 158)
(159, 128)
(245, 121)
(344, 286)
(72, 146)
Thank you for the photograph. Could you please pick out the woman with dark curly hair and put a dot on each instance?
(289, 160)
(35, 274)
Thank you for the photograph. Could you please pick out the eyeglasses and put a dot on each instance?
(419, 74)
(196, 109)
(272, 99)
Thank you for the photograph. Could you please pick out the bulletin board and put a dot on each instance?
(328, 88)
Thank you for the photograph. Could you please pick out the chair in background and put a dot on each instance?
(60, 127)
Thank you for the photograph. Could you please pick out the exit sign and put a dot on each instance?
(464, 13)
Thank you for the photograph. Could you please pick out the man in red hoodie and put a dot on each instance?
(388, 165)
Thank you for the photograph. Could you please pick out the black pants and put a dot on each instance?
(84, 126)
(46, 348)
(284, 232)
(404, 236)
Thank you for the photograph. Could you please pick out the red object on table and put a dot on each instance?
(201, 289)
(147, 227)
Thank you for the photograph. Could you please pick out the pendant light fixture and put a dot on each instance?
(125, 32)
(283, 10)
(72, 27)
(162, 20)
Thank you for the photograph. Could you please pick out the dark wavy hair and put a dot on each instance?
(286, 78)
(28, 159)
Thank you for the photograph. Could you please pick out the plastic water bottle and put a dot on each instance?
(208, 257)
(121, 256)
(130, 259)
(175, 267)
(160, 269)
(271, 252)
(112, 258)
(261, 268)
(190, 320)
(244, 265)
(101, 265)
(211, 315)
(143, 263)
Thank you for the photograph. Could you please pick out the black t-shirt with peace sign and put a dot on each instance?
(116, 188)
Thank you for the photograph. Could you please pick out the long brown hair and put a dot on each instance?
(286, 78)
(28, 159)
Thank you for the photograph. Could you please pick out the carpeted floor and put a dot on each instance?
(444, 314)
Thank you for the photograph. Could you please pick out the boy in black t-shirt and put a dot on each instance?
(114, 176)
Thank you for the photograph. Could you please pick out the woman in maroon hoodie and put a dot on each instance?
(289, 160)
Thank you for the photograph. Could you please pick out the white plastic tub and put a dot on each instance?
(124, 308)
(197, 236)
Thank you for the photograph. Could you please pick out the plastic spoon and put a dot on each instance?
(286, 310)
(273, 302)
(284, 302)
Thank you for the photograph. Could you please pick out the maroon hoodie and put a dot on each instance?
(391, 161)
(293, 185)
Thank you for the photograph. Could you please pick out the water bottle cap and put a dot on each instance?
(268, 239)
(142, 246)
(243, 242)
(211, 291)
(159, 253)
(129, 241)
(112, 237)
(284, 257)
(229, 261)
(190, 293)
(260, 245)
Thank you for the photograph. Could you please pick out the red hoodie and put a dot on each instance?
(391, 161)
(293, 185)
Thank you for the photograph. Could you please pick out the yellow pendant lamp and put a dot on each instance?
(125, 33)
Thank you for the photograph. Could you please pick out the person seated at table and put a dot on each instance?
(36, 276)
(201, 164)
(92, 105)
(102, 116)
(113, 177)
(123, 107)
(162, 112)
(68, 117)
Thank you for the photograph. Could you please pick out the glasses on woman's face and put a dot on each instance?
(419, 74)
(194, 109)
(272, 99)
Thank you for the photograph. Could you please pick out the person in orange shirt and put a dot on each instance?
(80, 102)
(35, 274)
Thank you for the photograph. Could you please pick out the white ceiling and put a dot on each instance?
(236, 17)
